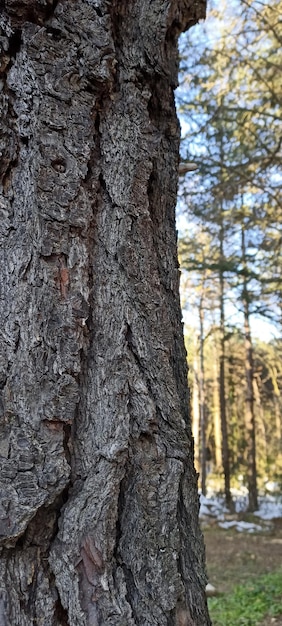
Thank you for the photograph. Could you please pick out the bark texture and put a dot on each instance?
(99, 504)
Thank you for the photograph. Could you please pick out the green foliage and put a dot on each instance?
(230, 105)
(249, 604)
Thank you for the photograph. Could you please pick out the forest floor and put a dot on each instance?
(234, 558)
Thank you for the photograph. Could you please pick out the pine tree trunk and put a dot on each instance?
(99, 496)
(216, 411)
(249, 400)
(261, 437)
(196, 406)
(202, 396)
(222, 400)
(250, 418)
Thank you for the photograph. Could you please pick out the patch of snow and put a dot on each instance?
(269, 508)
(241, 526)
(227, 525)
(204, 510)
(241, 503)
(248, 527)
(212, 507)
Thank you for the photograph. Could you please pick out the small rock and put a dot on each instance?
(211, 591)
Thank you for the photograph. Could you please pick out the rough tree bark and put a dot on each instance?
(98, 491)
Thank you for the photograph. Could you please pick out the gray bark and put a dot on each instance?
(99, 497)
(250, 418)
(222, 377)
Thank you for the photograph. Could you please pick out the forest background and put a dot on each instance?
(229, 220)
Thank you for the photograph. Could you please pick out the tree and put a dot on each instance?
(99, 503)
(193, 255)
(202, 254)
(231, 108)
(249, 409)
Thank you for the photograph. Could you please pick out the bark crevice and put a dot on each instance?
(128, 578)
(34, 11)
(60, 614)
(43, 527)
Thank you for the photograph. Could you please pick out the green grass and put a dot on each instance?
(249, 604)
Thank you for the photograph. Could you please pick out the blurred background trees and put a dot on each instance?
(230, 218)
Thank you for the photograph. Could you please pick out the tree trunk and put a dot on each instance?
(196, 405)
(250, 418)
(216, 411)
(202, 395)
(222, 401)
(261, 436)
(249, 400)
(99, 496)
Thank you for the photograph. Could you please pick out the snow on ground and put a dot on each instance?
(270, 507)
(241, 526)
(212, 509)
